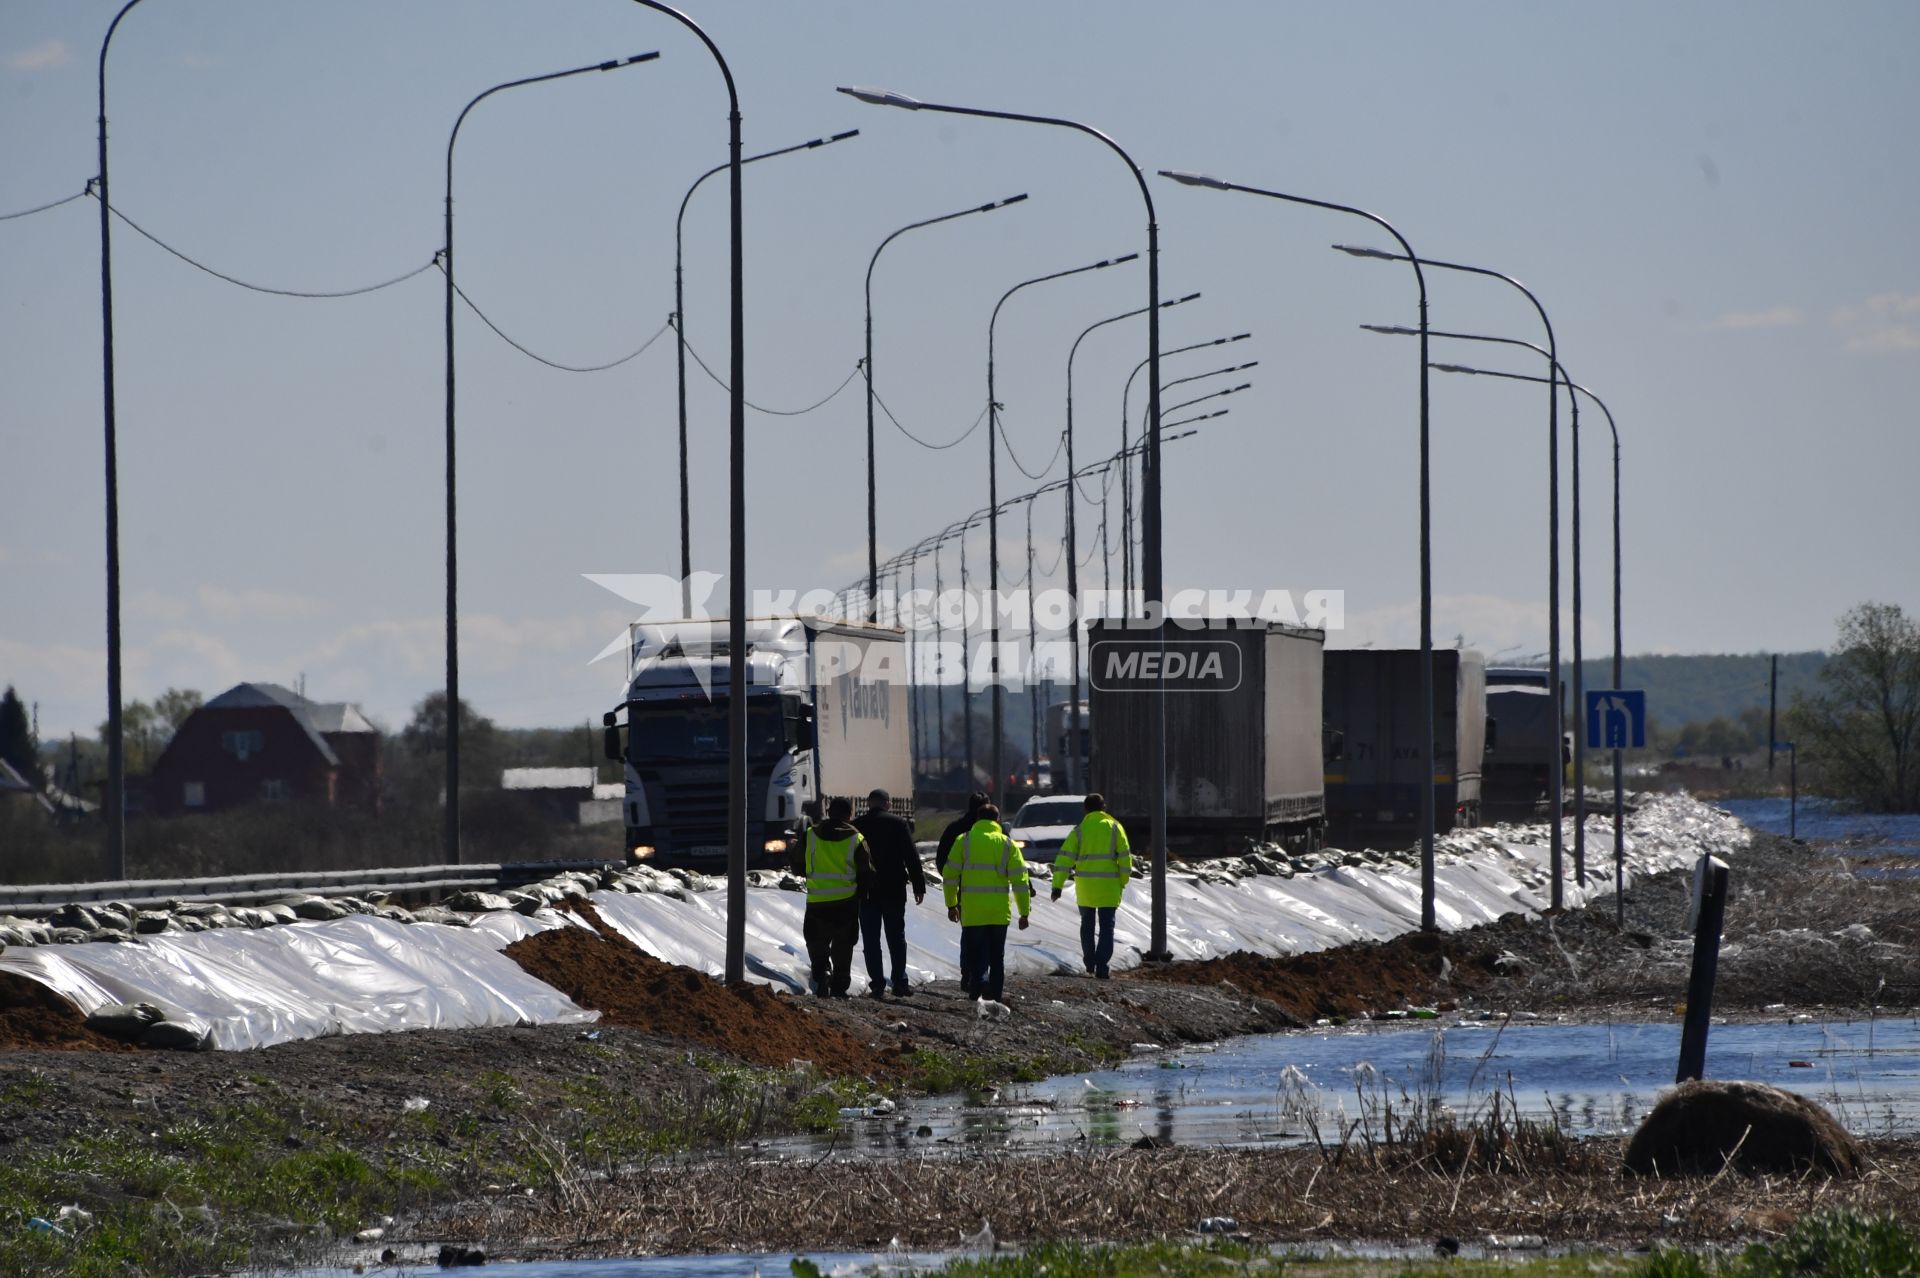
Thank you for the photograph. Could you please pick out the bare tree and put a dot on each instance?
(1862, 729)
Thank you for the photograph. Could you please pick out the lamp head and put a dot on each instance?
(1115, 261)
(881, 97)
(838, 137)
(1356, 250)
(627, 62)
(1452, 368)
(1001, 204)
(1392, 330)
(1191, 297)
(1195, 179)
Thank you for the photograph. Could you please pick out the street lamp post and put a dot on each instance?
(1619, 792)
(1427, 816)
(737, 792)
(450, 824)
(1556, 761)
(873, 534)
(680, 345)
(993, 504)
(1071, 762)
(1557, 837)
(1126, 469)
(1157, 946)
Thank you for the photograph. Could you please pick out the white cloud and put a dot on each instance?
(44, 56)
(1885, 323)
(226, 605)
(1782, 316)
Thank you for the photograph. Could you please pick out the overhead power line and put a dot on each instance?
(262, 288)
(550, 363)
(42, 208)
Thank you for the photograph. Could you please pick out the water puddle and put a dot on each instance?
(1597, 1079)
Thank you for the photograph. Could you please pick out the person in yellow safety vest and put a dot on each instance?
(834, 860)
(1096, 857)
(982, 868)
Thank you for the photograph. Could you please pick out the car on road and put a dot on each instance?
(1043, 823)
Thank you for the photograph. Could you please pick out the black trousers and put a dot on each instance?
(885, 919)
(830, 930)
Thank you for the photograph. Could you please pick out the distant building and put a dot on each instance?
(571, 795)
(262, 743)
(15, 788)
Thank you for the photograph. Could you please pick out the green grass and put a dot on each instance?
(935, 1072)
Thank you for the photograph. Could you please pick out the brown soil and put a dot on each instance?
(1353, 980)
(631, 988)
(33, 1016)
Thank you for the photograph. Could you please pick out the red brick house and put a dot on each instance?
(260, 742)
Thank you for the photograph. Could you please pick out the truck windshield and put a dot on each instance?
(697, 729)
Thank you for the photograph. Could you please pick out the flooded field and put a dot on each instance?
(1596, 1079)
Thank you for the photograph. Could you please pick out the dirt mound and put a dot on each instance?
(631, 988)
(1702, 1125)
(1406, 971)
(34, 1017)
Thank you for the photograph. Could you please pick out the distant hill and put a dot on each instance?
(1695, 689)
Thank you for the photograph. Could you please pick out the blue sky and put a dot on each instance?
(1715, 202)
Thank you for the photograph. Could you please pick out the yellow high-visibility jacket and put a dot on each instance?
(832, 866)
(983, 867)
(1096, 857)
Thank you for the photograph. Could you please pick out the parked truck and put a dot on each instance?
(1243, 732)
(1376, 742)
(826, 717)
(1067, 750)
(1516, 778)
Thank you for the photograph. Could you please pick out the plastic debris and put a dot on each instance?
(1219, 1225)
(414, 1104)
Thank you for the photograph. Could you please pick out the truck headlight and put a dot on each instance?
(775, 845)
(641, 852)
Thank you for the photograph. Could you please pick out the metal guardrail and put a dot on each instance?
(34, 899)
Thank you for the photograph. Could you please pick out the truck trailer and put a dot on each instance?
(1517, 778)
(826, 717)
(1243, 731)
(1375, 742)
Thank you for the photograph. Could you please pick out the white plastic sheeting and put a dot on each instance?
(1479, 875)
(358, 975)
(366, 974)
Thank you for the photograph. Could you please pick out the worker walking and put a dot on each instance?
(955, 828)
(1096, 858)
(984, 866)
(883, 909)
(834, 860)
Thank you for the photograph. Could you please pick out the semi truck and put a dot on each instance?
(826, 717)
(1516, 779)
(1243, 731)
(1067, 749)
(1376, 742)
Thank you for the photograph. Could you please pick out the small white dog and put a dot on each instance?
(993, 1011)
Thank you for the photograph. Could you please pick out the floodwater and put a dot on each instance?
(728, 1265)
(1276, 1088)
(1824, 821)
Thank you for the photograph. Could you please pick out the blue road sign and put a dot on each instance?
(1616, 719)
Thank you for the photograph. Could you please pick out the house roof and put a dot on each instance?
(315, 718)
(11, 782)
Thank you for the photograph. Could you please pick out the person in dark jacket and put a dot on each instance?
(883, 909)
(957, 827)
(834, 860)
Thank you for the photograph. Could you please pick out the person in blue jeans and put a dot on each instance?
(883, 910)
(1095, 857)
